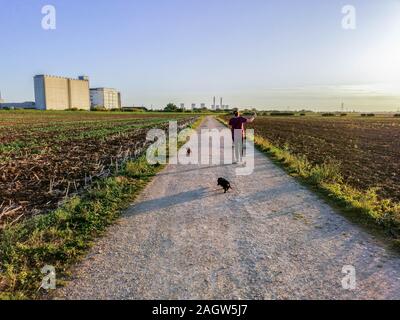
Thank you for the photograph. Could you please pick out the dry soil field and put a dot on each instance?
(367, 149)
(45, 157)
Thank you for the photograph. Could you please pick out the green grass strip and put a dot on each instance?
(61, 237)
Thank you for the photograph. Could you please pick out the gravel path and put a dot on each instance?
(269, 238)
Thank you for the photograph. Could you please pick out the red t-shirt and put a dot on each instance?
(237, 123)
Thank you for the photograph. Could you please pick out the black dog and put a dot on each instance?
(224, 184)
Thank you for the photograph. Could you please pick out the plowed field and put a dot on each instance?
(368, 150)
(46, 157)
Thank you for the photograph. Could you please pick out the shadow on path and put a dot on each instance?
(171, 201)
(197, 168)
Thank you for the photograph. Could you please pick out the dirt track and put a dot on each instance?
(269, 238)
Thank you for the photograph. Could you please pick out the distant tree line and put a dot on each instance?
(171, 107)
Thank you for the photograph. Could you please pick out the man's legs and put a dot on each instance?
(238, 143)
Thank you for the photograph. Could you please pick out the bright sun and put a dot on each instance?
(382, 60)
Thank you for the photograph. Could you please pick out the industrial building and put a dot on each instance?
(105, 98)
(59, 93)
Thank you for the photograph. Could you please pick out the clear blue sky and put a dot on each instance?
(261, 53)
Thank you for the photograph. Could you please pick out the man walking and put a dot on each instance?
(239, 134)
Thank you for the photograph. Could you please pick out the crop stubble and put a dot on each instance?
(46, 157)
